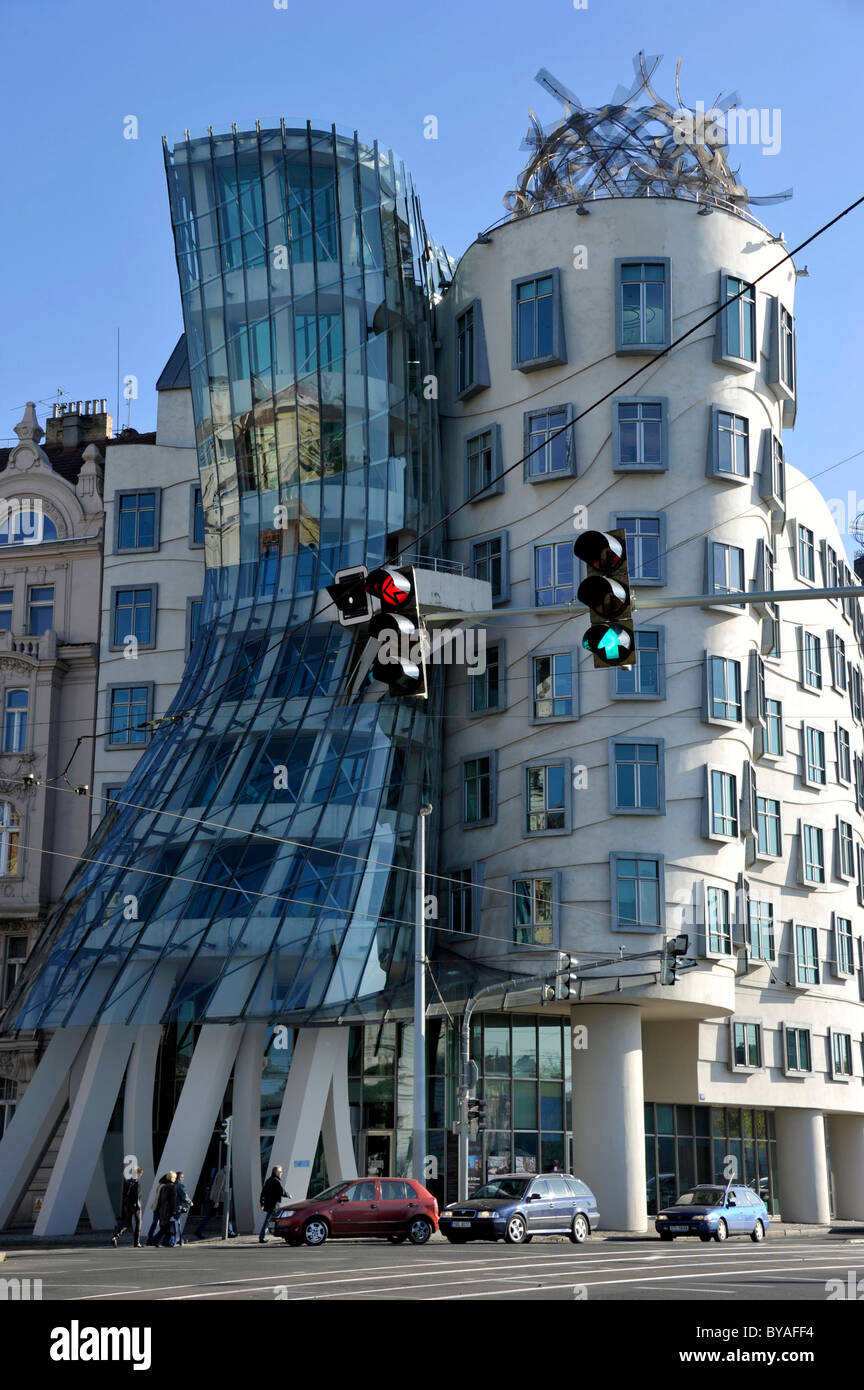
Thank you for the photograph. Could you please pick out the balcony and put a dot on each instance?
(20, 644)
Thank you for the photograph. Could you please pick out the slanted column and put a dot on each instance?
(311, 1101)
(846, 1134)
(802, 1166)
(608, 1112)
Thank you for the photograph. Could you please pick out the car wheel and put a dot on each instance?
(292, 1240)
(664, 1235)
(419, 1230)
(722, 1230)
(580, 1230)
(705, 1239)
(758, 1232)
(398, 1238)
(315, 1231)
(456, 1239)
(516, 1232)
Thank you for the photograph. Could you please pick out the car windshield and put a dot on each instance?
(330, 1192)
(701, 1197)
(504, 1187)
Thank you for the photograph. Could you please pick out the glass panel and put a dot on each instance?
(525, 1104)
(524, 1050)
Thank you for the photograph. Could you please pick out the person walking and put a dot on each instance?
(154, 1207)
(166, 1210)
(130, 1209)
(271, 1195)
(184, 1202)
(215, 1199)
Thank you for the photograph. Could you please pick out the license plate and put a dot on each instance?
(679, 1228)
(460, 1223)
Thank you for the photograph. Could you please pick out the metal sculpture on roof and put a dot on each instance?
(622, 150)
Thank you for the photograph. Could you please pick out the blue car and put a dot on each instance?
(713, 1212)
(516, 1207)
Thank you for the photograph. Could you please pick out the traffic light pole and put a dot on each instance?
(419, 1144)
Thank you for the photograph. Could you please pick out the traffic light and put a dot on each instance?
(477, 1111)
(348, 592)
(566, 980)
(673, 947)
(606, 592)
(401, 660)
(223, 1132)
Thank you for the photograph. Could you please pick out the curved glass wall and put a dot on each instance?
(261, 872)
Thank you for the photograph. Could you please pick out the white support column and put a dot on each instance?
(802, 1165)
(319, 1055)
(30, 1130)
(246, 1126)
(339, 1152)
(138, 1100)
(846, 1136)
(195, 1117)
(89, 1116)
(98, 1202)
(608, 1112)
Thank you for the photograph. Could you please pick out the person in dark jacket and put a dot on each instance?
(272, 1194)
(184, 1202)
(166, 1210)
(216, 1196)
(153, 1233)
(130, 1209)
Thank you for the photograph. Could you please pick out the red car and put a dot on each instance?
(397, 1208)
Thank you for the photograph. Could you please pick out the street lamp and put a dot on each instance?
(419, 1144)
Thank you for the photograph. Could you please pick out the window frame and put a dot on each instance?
(193, 544)
(615, 808)
(503, 595)
(746, 1022)
(558, 356)
(713, 469)
(112, 617)
(797, 1028)
(538, 720)
(839, 969)
(722, 353)
(708, 818)
(569, 437)
(552, 543)
(20, 718)
(617, 520)
(191, 600)
(644, 349)
(805, 961)
(707, 716)
(615, 856)
(618, 465)
(808, 731)
(660, 693)
(848, 876)
(771, 958)
(31, 604)
(150, 687)
(845, 781)
(496, 486)
(811, 642)
(834, 1035)
(480, 378)
(809, 547)
(723, 599)
(769, 854)
(499, 645)
(714, 952)
(812, 883)
(492, 755)
(157, 518)
(532, 876)
(545, 761)
(474, 888)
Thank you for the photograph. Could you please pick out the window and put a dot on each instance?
(549, 447)
(729, 454)
(719, 921)
(486, 688)
(40, 610)
(483, 464)
(760, 929)
(798, 1051)
(856, 694)
(773, 729)
(196, 517)
(772, 485)
(128, 708)
(10, 837)
(725, 568)
(806, 554)
(845, 850)
(554, 685)
(472, 371)
(6, 601)
(643, 320)
(646, 546)
(806, 955)
(858, 775)
(14, 958)
(193, 615)
(815, 767)
(137, 524)
(830, 568)
(489, 561)
(478, 790)
(844, 946)
(756, 689)
(746, 1045)
(537, 323)
(837, 657)
(844, 755)
(636, 777)
(786, 347)
(769, 836)
(546, 805)
(639, 435)
(736, 325)
(646, 679)
(133, 614)
(15, 707)
(841, 1053)
(533, 911)
(462, 901)
(813, 854)
(554, 573)
(8, 1097)
(724, 689)
(812, 655)
(637, 891)
(723, 809)
(859, 887)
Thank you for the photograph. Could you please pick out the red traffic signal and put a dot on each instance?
(393, 587)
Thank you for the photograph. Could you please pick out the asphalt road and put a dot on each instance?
(547, 1269)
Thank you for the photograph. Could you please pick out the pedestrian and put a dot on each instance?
(184, 1202)
(166, 1210)
(154, 1207)
(130, 1209)
(215, 1200)
(271, 1195)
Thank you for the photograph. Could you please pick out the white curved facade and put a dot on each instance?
(783, 983)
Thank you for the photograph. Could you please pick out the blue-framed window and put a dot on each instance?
(844, 755)
(133, 613)
(555, 685)
(490, 561)
(806, 954)
(128, 707)
(718, 921)
(40, 609)
(472, 367)
(535, 909)
(811, 654)
(769, 830)
(640, 434)
(845, 850)
(478, 790)
(805, 554)
(196, 517)
(815, 763)
(637, 777)
(637, 891)
(483, 476)
(537, 322)
(16, 705)
(773, 742)
(729, 449)
(487, 688)
(736, 325)
(137, 524)
(772, 479)
(723, 676)
(646, 545)
(837, 657)
(554, 573)
(7, 599)
(722, 804)
(643, 313)
(463, 908)
(549, 448)
(812, 853)
(844, 946)
(781, 371)
(725, 566)
(760, 928)
(546, 803)
(646, 679)
(193, 615)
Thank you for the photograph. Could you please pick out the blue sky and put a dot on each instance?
(86, 230)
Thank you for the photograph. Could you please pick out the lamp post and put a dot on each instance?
(419, 1144)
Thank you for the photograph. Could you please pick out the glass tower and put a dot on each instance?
(254, 866)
